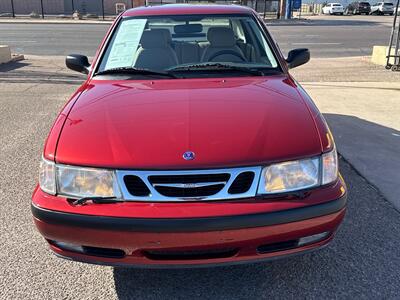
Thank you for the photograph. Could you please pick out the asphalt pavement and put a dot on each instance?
(325, 36)
(362, 262)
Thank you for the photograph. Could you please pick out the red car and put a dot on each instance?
(188, 144)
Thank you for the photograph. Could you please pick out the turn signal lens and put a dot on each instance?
(329, 167)
(47, 176)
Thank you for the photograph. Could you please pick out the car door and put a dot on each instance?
(327, 8)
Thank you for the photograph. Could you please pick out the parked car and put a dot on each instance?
(189, 143)
(382, 8)
(333, 9)
(358, 8)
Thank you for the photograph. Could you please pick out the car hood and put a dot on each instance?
(225, 122)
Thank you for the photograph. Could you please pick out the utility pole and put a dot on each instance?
(282, 9)
(12, 8)
(102, 8)
(41, 5)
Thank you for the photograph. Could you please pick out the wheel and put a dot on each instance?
(395, 68)
(391, 14)
(341, 14)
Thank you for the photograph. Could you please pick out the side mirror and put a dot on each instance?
(297, 57)
(77, 62)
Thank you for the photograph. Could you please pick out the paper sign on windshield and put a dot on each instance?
(126, 43)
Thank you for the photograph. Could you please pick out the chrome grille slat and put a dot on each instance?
(177, 181)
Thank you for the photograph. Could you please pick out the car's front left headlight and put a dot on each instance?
(299, 174)
(77, 182)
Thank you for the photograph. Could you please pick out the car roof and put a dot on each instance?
(186, 9)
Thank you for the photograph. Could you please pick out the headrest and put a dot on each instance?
(155, 38)
(221, 37)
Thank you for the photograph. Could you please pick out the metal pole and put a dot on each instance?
(392, 34)
(41, 5)
(102, 7)
(73, 6)
(396, 60)
(12, 8)
(132, 3)
(265, 7)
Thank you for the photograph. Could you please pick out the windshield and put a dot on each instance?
(170, 42)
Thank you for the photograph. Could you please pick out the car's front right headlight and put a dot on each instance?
(77, 182)
(299, 174)
(289, 176)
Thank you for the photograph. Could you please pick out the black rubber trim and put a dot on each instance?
(188, 224)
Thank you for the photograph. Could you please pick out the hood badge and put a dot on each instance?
(188, 155)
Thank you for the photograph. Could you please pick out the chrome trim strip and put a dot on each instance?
(189, 185)
(221, 195)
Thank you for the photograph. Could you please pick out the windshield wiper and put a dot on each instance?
(97, 200)
(133, 70)
(216, 67)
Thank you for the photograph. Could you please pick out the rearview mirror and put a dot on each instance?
(297, 57)
(77, 62)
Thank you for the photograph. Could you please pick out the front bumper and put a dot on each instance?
(194, 241)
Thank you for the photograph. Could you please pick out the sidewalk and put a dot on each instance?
(361, 102)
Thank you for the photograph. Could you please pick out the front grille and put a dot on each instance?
(193, 185)
(189, 192)
(184, 186)
(196, 178)
(242, 183)
(190, 254)
(136, 186)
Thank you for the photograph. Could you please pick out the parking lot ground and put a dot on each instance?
(361, 102)
(361, 262)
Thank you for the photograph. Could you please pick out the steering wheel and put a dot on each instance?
(227, 52)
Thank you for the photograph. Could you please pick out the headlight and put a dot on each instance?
(299, 174)
(77, 182)
(47, 176)
(289, 176)
(86, 182)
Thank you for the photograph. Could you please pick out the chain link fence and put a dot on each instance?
(66, 8)
(94, 9)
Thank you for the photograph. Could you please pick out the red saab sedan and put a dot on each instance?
(188, 144)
